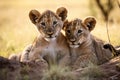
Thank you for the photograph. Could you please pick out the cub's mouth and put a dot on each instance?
(50, 38)
(74, 45)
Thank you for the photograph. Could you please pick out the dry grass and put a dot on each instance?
(91, 72)
(16, 30)
(58, 73)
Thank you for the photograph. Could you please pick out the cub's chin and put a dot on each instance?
(74, 46)
(50, 39)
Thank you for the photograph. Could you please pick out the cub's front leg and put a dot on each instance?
(35, 54)
(85, 61)
(25, 53)
(22, 56)
(63, 58)
(30, 54)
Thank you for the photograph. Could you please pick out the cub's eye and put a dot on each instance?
(54, 22)
(79, 31)
(68, 31)
(43, 23)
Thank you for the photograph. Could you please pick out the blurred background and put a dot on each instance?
(17, 31)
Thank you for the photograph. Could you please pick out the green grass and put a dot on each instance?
(17, 31)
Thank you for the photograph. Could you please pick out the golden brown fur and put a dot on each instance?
(84, 47)
(50, 44)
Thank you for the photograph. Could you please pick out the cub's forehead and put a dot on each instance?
(75, 24)
(48, 15)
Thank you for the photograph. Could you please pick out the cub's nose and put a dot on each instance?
(49, 32)
(72, 39)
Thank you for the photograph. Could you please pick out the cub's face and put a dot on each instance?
(77, 31)
(49, 24)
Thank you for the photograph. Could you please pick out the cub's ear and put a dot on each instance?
(90, 22)
(65, 24)
(34, 16)
(62, 12)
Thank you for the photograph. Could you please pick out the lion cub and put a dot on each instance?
(51, 44)
(84, 47)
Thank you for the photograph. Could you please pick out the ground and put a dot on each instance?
(17, 31)
(13, 70)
